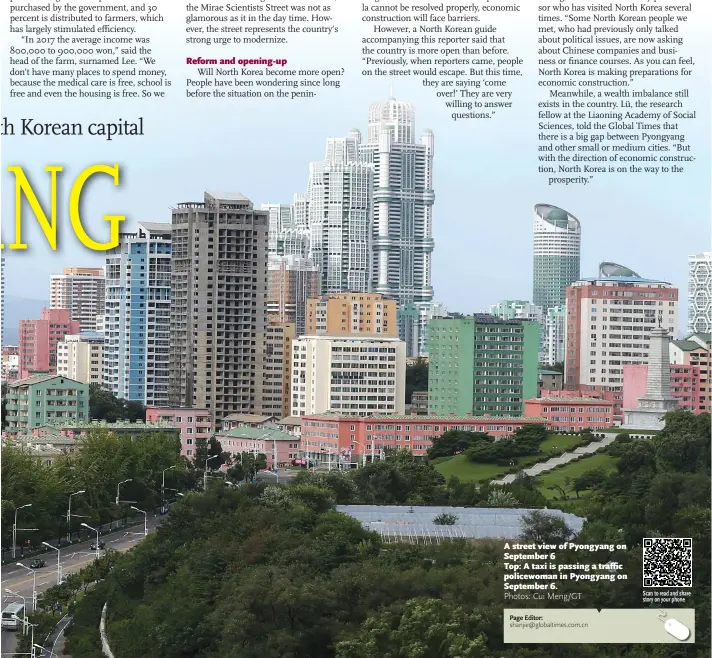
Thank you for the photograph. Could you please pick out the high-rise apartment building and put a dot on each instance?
(137, 315)
(699, 293)
(356, 375)
(351, 313)
(551, 347)
(482, 365)
(277, 382)
(218, 308)
(81, 291)
(554, 336)
(557, 254)
(288, 228)
(81, 357)
(291, 281)
(39, 338)
(414, 323)
(609, 320)
(340, 197)
(402, 206)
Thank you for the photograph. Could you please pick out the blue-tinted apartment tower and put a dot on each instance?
(137, 315)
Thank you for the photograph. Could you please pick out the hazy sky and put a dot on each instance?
(486, 183)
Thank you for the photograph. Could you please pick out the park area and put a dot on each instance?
(467, 471)
(552, 483)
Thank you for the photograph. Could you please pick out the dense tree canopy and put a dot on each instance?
(482, 448)
(416, 378)
(263, 571)
(98, 464)
(103, 405)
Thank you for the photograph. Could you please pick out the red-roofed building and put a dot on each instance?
(329, 433)
(570, 414)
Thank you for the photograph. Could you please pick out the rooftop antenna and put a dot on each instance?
(391, 91)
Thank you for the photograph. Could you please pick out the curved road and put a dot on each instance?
(72, 559)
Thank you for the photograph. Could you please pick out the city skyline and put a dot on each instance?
(620, 215)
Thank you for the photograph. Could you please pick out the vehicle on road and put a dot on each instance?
(101, 545)
(37, 563)
(304, 463)
(10, 615)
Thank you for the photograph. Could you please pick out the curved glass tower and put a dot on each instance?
(557, 254)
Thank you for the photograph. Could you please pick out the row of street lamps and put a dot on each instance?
(70, 515)
(69, 538)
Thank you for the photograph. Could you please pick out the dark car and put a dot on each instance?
(101, 545)
(37, 563)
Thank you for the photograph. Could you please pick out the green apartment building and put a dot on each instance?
(482, 365)
(42, 399)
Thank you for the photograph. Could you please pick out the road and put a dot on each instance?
(72, 559)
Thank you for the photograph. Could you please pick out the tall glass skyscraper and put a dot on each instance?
(402, 207)
(557, 255)
(137, 315)
(340, 210)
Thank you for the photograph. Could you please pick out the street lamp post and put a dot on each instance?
(97, 538)
(34, 585)
(118, 487)
(69, 515)
(163, 487)
(59, 566)
(42, 649)
(205, 472)
(363, 453)
(274, 459)
(145, 520)
(14, 529)
(32, 638)
(24, 604)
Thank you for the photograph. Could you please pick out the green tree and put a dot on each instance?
(103, 405)
(453, 442)
(425, 628)
(99, 462)
(210, 449)
(416, 378)
(589, 480)
(542, 528)
(248, 464)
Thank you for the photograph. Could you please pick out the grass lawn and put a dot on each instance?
(572, 470)
(468, 471)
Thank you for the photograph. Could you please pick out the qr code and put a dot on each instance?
(667, 562)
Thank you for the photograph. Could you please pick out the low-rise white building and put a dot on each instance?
(81, 357)
(358, 374)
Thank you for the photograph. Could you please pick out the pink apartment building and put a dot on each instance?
(685, 386)
(695, 351)
(39, 338)
(193, 424)
(597, 392)
(332, 434)
(570, 414)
